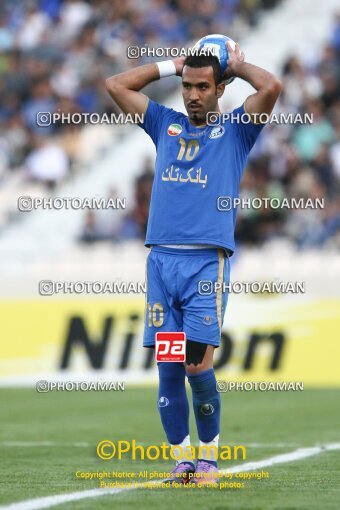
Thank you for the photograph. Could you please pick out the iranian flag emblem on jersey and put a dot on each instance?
(174, 129)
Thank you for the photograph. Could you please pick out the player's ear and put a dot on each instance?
(220, 90)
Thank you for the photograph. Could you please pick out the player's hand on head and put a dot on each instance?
(236, 56)
(179, 62)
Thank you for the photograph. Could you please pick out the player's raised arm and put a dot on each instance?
(267, 85)
(124, 88)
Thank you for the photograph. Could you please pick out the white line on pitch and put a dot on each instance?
(49, 501)
(83, 444)
(32, 444)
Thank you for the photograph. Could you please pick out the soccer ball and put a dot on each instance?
(217, 44)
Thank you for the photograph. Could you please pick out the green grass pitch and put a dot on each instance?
(45, 438)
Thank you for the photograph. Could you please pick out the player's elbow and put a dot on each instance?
(273, 87)
(112, 86)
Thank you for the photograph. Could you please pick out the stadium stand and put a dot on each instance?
(55, 56)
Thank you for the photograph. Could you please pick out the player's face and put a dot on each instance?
(200, 93)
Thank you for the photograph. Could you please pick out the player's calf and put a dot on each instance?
(206, 403)
(173, 405)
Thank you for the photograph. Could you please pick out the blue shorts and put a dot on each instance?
(176, 298)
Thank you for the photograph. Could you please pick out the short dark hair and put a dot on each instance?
(198, 61)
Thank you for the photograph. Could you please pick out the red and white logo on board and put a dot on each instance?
(170, 346)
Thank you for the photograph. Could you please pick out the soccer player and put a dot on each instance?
(191, 232)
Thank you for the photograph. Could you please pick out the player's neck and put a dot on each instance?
(199, 124)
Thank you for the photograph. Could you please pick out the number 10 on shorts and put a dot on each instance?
(170, 346)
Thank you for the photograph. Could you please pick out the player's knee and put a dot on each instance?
(195, 369)
(196, 359)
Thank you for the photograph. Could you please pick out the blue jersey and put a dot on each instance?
(194, 168)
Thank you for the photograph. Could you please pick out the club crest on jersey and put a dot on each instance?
(217, 132)
(174, 129)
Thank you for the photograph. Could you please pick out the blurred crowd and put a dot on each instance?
(299, 161)
(56, 54)
(114, 225)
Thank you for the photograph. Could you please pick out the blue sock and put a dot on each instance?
(173, 402)
(207, 404)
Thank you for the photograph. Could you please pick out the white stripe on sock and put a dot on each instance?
(181, 451)
(209, 453)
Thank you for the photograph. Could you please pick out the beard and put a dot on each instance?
(197, 118)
